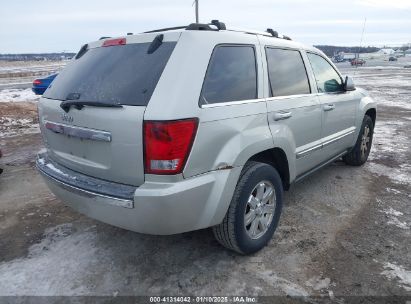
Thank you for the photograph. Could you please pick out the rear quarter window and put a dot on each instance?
(287, 73)
(124, 74)
(231, 75)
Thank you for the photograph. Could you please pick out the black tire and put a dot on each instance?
(232, 232)
(357, 156)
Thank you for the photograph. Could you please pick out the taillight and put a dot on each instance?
(167, 145)
(114, 42)
(37, 82)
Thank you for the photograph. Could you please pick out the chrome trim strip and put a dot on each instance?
(330, 141)
(78, 132)
(309, 150)
(231, 103)
(102, 198)
(291, 96)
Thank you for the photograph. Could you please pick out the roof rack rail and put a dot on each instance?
(272, 32)
(167, 29)
(275, 34)
(104, 37)
(219, 25)
(199, 27)
(194, 27)
(207, 26)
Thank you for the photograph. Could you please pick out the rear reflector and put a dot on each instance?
(37, 82)
(167, 145)
(114, 42)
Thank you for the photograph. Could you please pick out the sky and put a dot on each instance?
(56, 26)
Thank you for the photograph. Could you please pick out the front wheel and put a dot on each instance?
(359, 153)
(254, 211)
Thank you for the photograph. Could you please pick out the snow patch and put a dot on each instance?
(392, 211)
(58, 171)
(396, 222)
(290, 288)
(381, 67)
(395, 174)
(16, 126)
(317, 283)
(398, 272)
(60, 262)
(18, 95)
(53, 168)
(387, 141)
(395, 191)
(393, 220)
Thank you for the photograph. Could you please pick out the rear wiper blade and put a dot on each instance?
(65, 105)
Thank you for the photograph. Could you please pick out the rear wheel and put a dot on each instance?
(254, 211)
(359, 153)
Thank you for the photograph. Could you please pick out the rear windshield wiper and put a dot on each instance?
(65, 105)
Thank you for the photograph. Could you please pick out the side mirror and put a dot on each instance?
(349, 84)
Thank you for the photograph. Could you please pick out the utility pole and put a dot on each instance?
(362, 36)
(196, 3)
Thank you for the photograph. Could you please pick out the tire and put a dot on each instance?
(257, 179)
(359, 153)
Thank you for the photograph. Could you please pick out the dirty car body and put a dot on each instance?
(156, 132)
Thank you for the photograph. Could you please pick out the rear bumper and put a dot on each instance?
(152, 208)
(39, 90)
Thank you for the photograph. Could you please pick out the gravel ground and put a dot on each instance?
(345, 231)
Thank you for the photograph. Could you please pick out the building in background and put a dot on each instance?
(386, 52)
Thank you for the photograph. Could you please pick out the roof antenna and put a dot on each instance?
(196, 4)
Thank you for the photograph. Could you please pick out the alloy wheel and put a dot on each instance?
(259, 210)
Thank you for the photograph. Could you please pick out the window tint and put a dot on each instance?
(118, 74)
(326, 77)
(287, 72)
(231, 75)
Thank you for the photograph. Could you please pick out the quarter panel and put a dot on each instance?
(228, 136)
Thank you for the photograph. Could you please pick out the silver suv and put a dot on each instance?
(186, 128)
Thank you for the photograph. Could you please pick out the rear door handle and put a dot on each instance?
(329, 107)
(281, 115)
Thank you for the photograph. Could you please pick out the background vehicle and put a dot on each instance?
(357, 62)
(41, 84)
(393, 58)
(197, 127)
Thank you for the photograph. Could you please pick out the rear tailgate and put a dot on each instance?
(99, 141)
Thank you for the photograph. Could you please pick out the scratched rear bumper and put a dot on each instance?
(86, 186)
(159, 208)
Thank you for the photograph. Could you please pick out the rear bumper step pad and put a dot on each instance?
(83, 182)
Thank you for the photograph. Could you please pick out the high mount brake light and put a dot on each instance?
(114, 42)
(37, 82)
(167, 145)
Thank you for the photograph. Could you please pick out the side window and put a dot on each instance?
(327, 78)
(286, 72)
(231, 75)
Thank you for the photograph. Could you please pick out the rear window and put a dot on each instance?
(286, 72)
(123, 74)
(231, 75)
